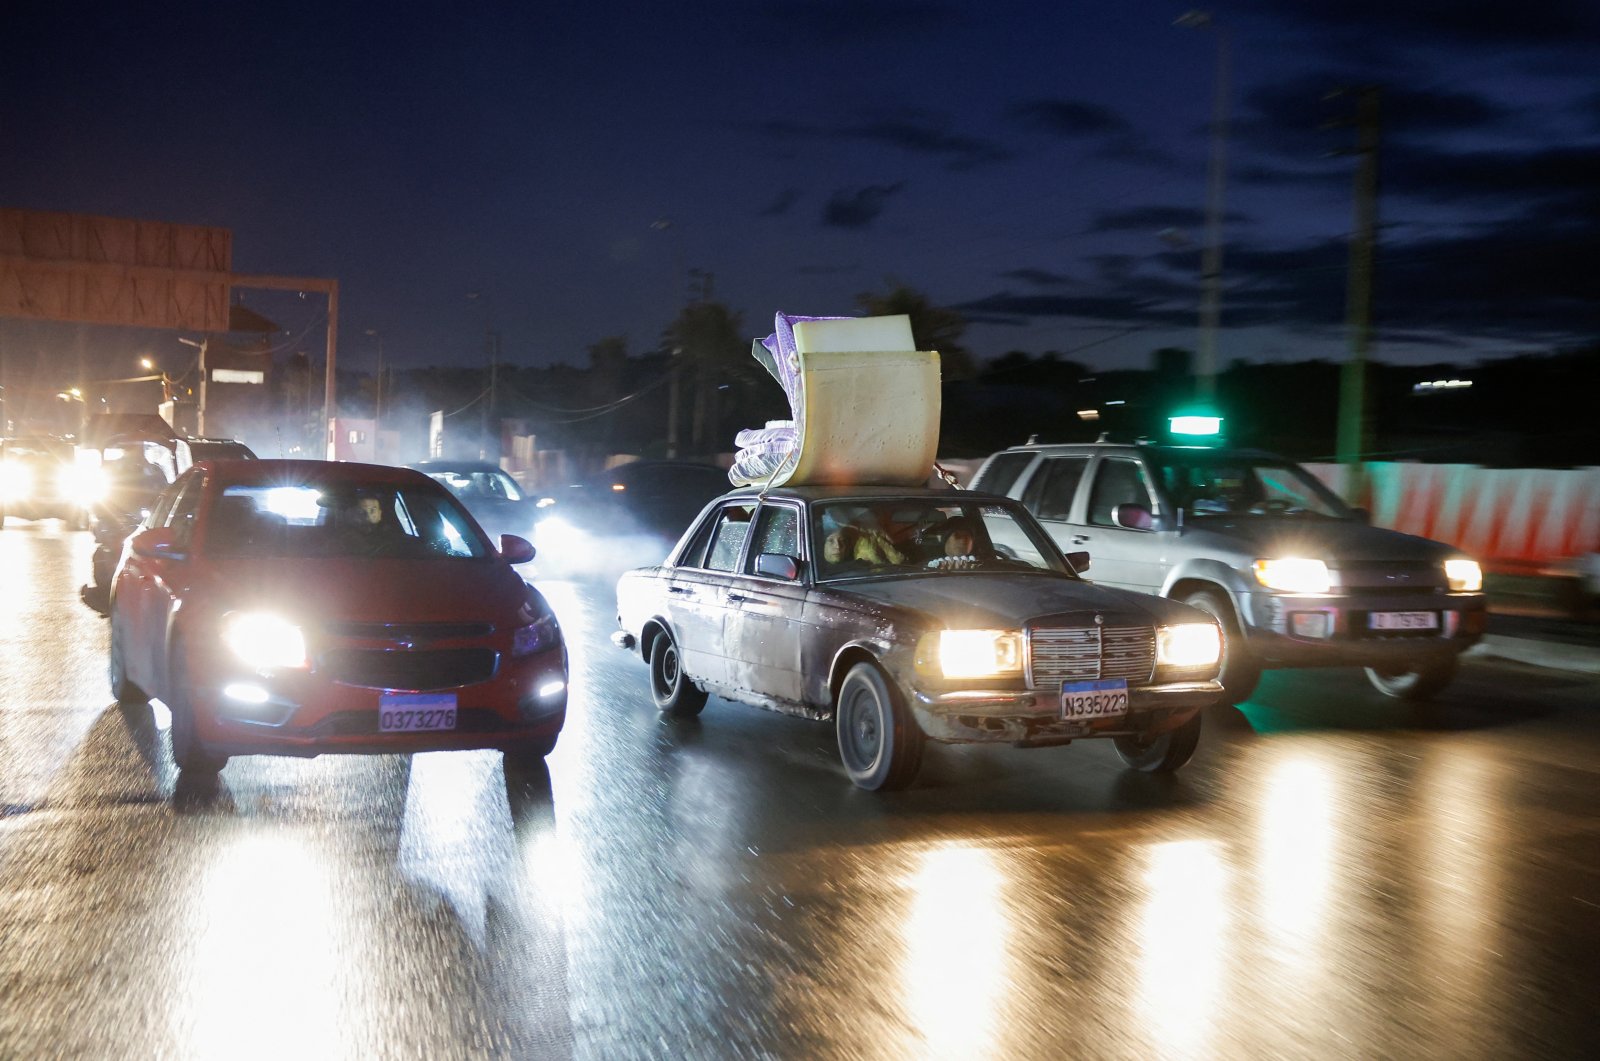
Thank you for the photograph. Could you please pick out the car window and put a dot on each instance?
(728, 537)
(310, 520)
(182, 515)
(777, 531)
(871, 538)
(1000, 474)
(1053, 486)
(163, 506)
(1224, 484)
(1117, 481)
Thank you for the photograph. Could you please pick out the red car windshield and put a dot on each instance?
(340, 520)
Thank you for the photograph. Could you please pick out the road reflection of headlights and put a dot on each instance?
(1464, 576)
(1293, 574)
(1189, 645)
(556, 537)
(264, 641)
(16, 481)
(544, 633)
(971, 654)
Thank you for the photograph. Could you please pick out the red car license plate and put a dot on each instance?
(1099, 699)
(416, 712)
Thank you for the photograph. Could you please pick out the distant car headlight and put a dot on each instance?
(554, 536)
(1464, 576)
(1294, 574)
(16, 481)
(542, 634)
(971, 654)
(84, 484)
(264, 641)
(1188, 645)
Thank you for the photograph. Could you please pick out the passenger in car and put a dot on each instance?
(960, 545)
(851, 543)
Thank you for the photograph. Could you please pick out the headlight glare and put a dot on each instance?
(1464, 576)
(1189, 645)
(264, 641)
(971, 654)
(1293, 574)
(16, 481)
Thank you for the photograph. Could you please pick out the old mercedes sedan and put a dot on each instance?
(307, 607)
(910, 615)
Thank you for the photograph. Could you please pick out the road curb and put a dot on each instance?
(1558, 655)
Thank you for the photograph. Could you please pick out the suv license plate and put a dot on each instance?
(416, 712)
(1403, 621)
(1100, 699)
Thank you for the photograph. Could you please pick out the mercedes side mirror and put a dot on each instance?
(777, 565)
(158, 543)
(1078, 561)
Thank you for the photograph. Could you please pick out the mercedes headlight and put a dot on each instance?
(971, 654)
(1188, 645)
(264, 641)
(1294, 574)
(85, 484)
(1464, 576)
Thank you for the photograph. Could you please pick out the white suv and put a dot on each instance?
(1297, 577)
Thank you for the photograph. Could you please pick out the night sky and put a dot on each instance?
(1039, 166)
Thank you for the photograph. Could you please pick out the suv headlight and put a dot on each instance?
(264, 641)
(1188, 645)
(1294, 574)
(971, 654)
(1464, 576)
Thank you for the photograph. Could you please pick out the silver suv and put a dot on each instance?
(1297, 577)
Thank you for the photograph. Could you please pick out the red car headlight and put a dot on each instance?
(542, 634)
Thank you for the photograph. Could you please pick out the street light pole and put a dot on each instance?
(1216, 177)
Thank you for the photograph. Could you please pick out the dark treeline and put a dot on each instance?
(697, 386)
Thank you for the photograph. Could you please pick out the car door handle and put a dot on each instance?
(1079, 539)
(679, 589)
(740, 598)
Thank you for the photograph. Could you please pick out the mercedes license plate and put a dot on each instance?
(1099, 699)
(1403, 621)
(416, 712)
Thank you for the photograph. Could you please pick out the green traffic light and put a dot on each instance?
(1195, 425)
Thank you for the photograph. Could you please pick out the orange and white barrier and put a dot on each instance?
(1507, 517)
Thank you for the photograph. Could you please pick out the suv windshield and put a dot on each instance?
(874, 537)
(1210, 483)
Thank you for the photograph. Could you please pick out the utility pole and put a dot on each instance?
(1216, 178)
(1354, 419)
(377, 407)
(491, 349)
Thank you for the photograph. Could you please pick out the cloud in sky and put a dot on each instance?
(857, 208)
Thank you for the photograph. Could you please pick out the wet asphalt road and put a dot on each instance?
(1328, 878)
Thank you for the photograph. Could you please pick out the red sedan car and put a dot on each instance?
(306, 607)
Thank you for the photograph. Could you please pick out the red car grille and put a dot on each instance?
(1060, 654)
(412, 671)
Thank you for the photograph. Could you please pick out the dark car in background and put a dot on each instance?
(853, 604)
(626, 516)
(488, 491)
(1296, 577)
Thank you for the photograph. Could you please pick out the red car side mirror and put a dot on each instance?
(158, 543)
(515, 550)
